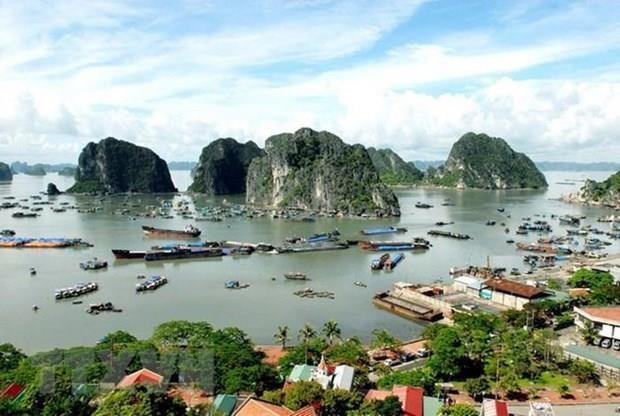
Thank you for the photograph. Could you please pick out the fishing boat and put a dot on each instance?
(152, 283)
(295, 276)
(95, 308)
(24, 215)
(188, 232)
(423, 205)
(7, 233)
(442, 223)
(392, 262)
(94, 264)
(234, 284)
(129, 254)
(76, 290)
(383, 230)
(570, 220)
(377, 264)
(360, 284)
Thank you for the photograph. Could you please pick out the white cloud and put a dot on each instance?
(71, 73)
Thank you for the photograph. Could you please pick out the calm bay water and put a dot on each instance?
(196, 289)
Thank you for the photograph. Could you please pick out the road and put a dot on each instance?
(573, 410)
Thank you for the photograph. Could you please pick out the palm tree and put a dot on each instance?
(305, 335)
(331, 330)
(589, 333)
(281, 336)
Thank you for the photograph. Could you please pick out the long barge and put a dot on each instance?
(383, 230)
(26, 242)
(406, 308)
(441, 233)
(415, 244)
(182, 253)
(129, 254)
(310, 247)
(188, 232)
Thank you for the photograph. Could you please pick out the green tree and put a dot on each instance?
(303, 393)
(306, 333)
(10, 357)
(589, 332)
(477, 387)
(182, 333)
(331, 330)
(383, 339)
(297, 355)
(584, 371)
(591, 279)
(274, 396)
(350, 352)
(447, 354)
(282, 336)
(419, 377)
(141, 401)
(564, 390)
(117, 337)
(391, 406)
(459, 409)
(338, 402)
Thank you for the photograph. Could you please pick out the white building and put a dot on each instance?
(605, 319)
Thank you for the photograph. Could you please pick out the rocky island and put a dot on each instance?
(223, 167)
(116, 166)
(392, 169)
(484, 162)
(318, 171)
(604, 193)
(5, 172)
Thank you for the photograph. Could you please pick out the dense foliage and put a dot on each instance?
(392, 169)
(223, 167)
(607, 191)
(480, 161)
(317, 170)
(603, 290)
(116, 166)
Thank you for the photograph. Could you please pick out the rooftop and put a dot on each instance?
(515, 288)
(608, 313)
(144, 376)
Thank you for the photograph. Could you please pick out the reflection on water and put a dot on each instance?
(196, 289)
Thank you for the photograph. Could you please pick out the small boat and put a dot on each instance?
(24, 215)
(383, 230)
(7, 233)
(510, 241)
(35, 308)
(501, 209)
(234, 284)
(442, 223)
(457, 236)
(295, 276)
(360, 284)
(77, 302)
(423, 205)
(491, 223)
(95, 308)
(377, 264)
(189, 231)
(33, 271)
(94, 264)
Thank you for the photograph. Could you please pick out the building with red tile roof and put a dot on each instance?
(254, 406)
(411, 398)
(144, 376)
(12, 391)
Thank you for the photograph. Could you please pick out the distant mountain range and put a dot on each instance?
(544, 165)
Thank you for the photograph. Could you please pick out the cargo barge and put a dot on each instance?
(182, 253)
(415, 244)
(406, 308)
(188, 232)
(383, 230)
(449, 234)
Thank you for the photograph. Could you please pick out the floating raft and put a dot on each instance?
(26, 242)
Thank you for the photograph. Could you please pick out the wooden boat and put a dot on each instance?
(423, 205)
(377, 264)
(189, 232)
(457, 236)
(235, 284)
(94, 264)
(295, 276)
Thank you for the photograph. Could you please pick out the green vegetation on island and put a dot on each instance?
(5, 172)
(606, 192)
(223, 166)
(480, 161)
(392, 169)
(116, 166)
(318, 171)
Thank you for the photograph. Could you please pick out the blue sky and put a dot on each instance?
(412, 75)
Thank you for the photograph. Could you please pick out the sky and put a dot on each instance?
(411, 75)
